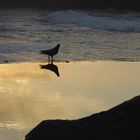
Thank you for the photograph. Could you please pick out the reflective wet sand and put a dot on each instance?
(32, 92)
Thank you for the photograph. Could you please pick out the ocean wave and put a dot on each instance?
(99, 21)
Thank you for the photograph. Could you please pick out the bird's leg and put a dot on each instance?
(51, 59)
(48, 58)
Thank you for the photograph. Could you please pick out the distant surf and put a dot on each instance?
(126, 22)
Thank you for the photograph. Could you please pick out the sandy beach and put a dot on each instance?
(30, 94)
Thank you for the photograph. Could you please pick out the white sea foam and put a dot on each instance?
(103, 22)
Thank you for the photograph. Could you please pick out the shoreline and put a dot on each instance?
(68, 61)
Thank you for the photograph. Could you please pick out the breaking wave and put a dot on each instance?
(127, 23)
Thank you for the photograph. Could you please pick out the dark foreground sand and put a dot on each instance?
(119, 123)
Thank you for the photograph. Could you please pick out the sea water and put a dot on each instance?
(83, 34)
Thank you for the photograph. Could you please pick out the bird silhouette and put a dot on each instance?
(51, 52)
(51, 67)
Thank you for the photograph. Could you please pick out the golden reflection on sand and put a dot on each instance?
(29, 94)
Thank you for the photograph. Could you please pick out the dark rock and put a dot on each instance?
(119, 123)
(6, 61)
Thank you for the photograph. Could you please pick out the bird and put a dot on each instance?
(51, 52)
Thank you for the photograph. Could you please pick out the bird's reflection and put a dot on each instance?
(51, 67)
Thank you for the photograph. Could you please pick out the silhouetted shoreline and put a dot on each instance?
(119, 123)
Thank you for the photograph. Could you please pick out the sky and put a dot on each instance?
(119, 4)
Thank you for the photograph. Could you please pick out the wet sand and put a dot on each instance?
(72, 90)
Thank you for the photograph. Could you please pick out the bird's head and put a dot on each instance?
(57, 46)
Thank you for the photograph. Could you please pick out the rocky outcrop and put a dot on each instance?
(119, 123)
